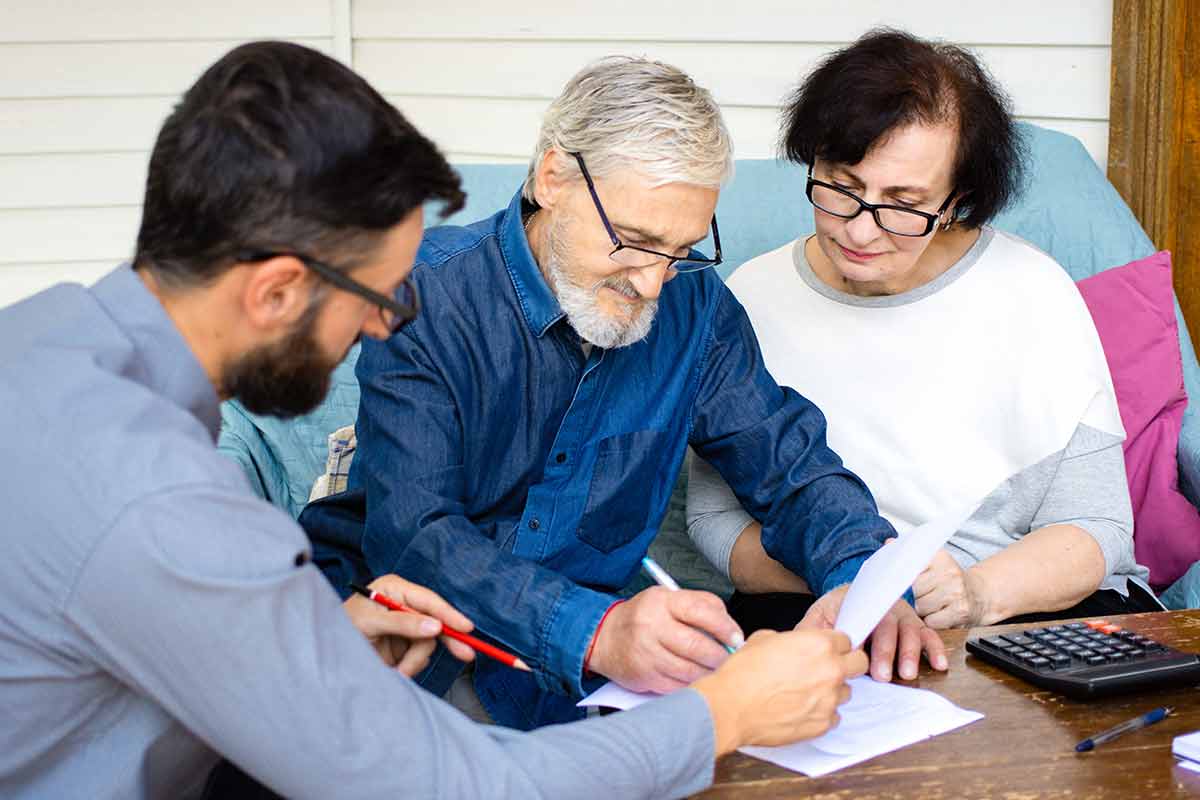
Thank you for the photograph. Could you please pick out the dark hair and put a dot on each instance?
(889, 78)
(279, 147)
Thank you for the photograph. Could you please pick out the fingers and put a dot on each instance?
(823, 613)
(925, 583)
(935, 649)
(883, 647)
(422, 599)
(375, 621)
(705, 612)
(691, 645)
(457, 649)
(416, 657)
(910, 643)
(856, 663)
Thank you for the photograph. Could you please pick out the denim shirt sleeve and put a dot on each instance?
(768, 442)
(411, 462)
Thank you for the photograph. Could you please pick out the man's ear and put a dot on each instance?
(275, 292)
(551, 178)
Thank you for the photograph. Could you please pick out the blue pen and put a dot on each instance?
(663, 578)
(1149, 718)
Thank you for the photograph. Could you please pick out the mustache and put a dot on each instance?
(622, 285)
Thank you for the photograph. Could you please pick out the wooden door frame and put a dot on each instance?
(1154, 131)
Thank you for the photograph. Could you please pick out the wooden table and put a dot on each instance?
(1023, 748)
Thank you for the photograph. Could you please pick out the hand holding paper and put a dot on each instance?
(872, 603)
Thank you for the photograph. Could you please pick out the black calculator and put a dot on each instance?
(1087, 659)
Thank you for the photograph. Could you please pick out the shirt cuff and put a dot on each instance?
(842, 573)
(568, 635)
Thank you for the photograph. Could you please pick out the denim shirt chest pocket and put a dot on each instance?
(624, 488)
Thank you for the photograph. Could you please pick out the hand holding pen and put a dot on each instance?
(406, 641)
(662, 639)
(462, 645)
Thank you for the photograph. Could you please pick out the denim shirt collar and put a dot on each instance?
(538, 303)
(167, 364)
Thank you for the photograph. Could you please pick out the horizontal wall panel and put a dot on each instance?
(72, 180)
(1066, 82)
(125, 20)
(68, 234)
(19, 281)
(508, 127)
(85, 125)
(111, 69)
(1082, 22)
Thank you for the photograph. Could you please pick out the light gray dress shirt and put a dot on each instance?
(154, 613)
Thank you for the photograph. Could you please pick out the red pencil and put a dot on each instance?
(507, 659)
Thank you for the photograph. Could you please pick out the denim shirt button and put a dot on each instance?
(560, 458)
(534, 524)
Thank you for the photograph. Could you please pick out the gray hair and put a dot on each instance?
(641, 114)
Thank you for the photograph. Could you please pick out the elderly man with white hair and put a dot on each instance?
(577, 343)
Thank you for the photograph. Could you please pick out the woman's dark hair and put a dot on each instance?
(279, 147)
(888, 78)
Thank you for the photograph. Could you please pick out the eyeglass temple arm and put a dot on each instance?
(612, 235)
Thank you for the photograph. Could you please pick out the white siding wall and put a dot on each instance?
(84, 85)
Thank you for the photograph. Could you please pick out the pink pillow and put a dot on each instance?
(1135, 315)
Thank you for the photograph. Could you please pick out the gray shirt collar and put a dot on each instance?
(956, 271)
(166, 365)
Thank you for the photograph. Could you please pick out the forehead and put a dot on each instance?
(919, 156)
(678, 213)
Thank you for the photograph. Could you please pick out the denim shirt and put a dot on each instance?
(524, 481)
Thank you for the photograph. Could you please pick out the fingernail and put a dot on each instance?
(737, 640)
(942, 663)
(430, 626)
(908, 670)
(885, 674)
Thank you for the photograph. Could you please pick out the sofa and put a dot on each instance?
(1067, 208)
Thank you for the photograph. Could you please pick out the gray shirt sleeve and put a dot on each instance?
(194, 599)
(1083, 485)
(715, 517)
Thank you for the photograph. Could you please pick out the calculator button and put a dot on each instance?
(1038, 662)
(1056, 628)
(1074, 626)
(1105, 651)
(998, 642)
(1083, 652)
(1021, 652)
(1111, 628)
(1074, 649)
(1058, 660)
(1042, 650)
(1096, 623)
(1096, 659)
(1017, 639)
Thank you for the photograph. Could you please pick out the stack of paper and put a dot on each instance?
(1187, 749)
(880, 718)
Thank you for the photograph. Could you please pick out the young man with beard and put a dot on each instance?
(155, 614)
(543, 409)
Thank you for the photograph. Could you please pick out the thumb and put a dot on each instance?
(401, 623)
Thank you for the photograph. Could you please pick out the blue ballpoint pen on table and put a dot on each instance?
(1149, 718)
(662, 578)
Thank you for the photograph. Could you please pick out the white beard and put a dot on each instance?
(583, 309)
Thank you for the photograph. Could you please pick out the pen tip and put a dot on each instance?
(521, 665)
(1083, 747)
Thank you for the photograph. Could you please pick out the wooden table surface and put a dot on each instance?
(1023, 748)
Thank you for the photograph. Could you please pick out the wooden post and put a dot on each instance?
(1154, 131)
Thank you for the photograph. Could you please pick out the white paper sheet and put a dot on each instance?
(1189, 765)
(879, 718)
(885, 576)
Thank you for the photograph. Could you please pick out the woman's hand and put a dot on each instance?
(949, 596)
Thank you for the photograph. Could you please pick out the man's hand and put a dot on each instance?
(405, 641)
(662, 640)
(949, 596)
(781, 688)
(900, 626)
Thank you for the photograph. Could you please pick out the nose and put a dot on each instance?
(862, 230)
(649, 280)
(374, 325)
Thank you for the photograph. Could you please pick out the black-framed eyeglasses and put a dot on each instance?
(893, 219)
(394, 314)
(628, 255)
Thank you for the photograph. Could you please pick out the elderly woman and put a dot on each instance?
(957, 364)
